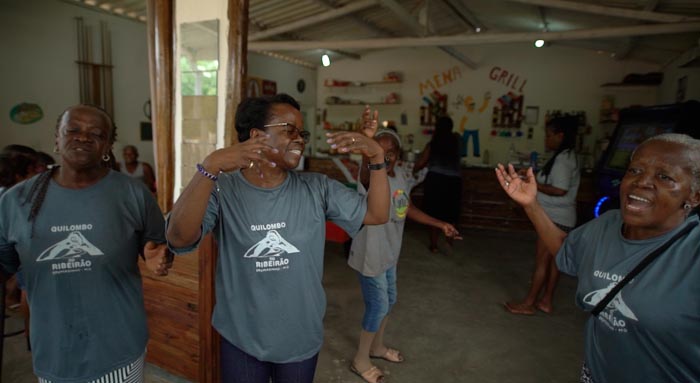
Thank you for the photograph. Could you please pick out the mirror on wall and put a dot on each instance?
(199, 71)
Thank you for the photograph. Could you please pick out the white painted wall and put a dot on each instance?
(39, 46)
(672, 73)
(557, 78)
(286, 75)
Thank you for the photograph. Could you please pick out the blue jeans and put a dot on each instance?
(474, 134)
(239, 367)
(379, 294)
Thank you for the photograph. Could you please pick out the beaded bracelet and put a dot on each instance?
(205, 173)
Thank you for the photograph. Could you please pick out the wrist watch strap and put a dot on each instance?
(379, 166)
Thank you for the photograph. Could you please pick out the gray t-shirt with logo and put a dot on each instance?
(81, 273)
(376, 248)
(650, 332)
(565, 175)
(269, 294)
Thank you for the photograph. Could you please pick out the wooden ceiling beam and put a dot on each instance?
(464, 15)
(316, 19)
(610, 11)
(481, 38)
(412, 24)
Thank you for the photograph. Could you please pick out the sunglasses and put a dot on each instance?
(292, 131)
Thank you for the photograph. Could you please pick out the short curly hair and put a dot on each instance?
(254, 112)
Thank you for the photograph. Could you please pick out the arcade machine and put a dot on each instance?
(635, 125)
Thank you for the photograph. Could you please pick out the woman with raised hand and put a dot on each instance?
(375, 255)
(638, 267)
(269, 225)
(557, 186)
(77, 230)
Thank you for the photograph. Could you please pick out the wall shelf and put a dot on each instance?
(621, 86)
(363, 103)
(356, 84)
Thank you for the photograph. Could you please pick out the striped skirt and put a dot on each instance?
(131, 373)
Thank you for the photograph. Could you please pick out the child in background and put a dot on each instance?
(374, 255)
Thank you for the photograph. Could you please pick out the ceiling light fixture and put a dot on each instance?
(539, 43)
(325, 60)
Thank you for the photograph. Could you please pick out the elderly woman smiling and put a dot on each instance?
(649, 330)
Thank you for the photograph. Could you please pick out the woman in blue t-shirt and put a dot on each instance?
(648, 331)
(76, 230)
(269, 226)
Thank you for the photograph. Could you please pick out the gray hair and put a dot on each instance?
(391, 133)
(691, 146)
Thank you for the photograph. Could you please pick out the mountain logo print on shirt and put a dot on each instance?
(74, 246)
(273, 245)
(617, 304)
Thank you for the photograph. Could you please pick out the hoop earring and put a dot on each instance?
(106, 157)
(686, 206)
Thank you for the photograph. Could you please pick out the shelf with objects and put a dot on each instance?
(363, 92)
(342, 102)
(388, 78)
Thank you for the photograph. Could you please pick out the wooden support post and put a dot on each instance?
(160, 57)
(237, 64)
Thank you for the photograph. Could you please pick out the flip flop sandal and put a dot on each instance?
(373, 375)
(391, 355)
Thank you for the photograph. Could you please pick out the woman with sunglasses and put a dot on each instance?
(269, 224)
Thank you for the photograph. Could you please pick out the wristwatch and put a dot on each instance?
(379, 166)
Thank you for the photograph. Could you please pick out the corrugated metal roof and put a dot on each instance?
(380, 20)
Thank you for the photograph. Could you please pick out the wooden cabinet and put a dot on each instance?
(484, 203)
(486, 206)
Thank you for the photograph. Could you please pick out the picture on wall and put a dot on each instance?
(26, 113)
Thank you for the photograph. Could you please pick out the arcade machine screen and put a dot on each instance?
(632, 136)
(635, 126)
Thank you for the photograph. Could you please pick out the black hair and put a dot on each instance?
(16, 149)
(44, 158)
(444, 146)
(12, 167)
(37, 191)
(254, 112)
(568, 125)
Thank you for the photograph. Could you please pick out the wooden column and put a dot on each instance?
(237, 64)
(161, 34)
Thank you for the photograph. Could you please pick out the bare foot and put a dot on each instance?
(519, 308)
(544, 307)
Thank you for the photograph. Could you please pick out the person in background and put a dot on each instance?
(557, 186)
(137, 169)
(14, 168)
(375, 254)
(648, 330)
(76, 230)
(443, 183)
(44, 161)
(269, 225)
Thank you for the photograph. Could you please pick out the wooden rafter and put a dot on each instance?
(407, 19)
(481, 38)
(326, 16)
(610, 11)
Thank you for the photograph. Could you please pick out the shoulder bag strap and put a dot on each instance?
(637, 269)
